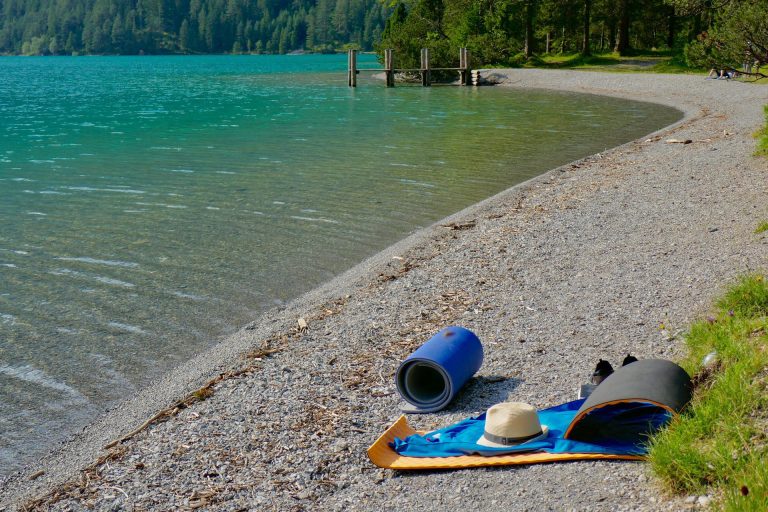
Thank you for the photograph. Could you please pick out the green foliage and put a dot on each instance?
(719, 444)
(738, 35)
(52, 27)
(762, 136)
(748, 298)
(496, 31)
(445, 26)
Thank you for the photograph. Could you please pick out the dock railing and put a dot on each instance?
(425, 70)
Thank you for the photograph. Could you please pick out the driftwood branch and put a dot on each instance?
(755, 76)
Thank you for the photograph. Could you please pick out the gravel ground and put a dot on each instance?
(581, 263)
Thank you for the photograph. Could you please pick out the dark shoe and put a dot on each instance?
(629, 359)
(602, 370)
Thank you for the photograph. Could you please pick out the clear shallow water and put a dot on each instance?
(150, 205)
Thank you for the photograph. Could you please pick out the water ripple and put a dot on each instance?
(119, 190)
(110, 263)
(34, 375)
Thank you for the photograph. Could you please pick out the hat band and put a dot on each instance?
(509, 440)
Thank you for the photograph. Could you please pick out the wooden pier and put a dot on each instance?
(425, 69)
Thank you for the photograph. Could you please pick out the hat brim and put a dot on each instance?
(483, 441)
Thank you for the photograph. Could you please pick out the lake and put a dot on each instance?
(151, 205)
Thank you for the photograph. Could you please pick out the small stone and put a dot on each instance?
(690, 499)
(704, 501)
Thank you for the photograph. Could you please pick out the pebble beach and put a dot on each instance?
(609, 255)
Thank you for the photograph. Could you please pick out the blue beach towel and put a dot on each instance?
(461, 438)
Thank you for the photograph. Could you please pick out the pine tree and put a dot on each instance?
(184, 37)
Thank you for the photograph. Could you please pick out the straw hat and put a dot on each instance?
(510, 424)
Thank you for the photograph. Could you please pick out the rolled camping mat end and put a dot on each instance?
(431, 376)
(657, 383)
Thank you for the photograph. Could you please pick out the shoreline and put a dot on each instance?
(437, 281)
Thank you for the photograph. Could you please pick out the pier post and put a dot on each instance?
(463, 66)
(389, 67)
(352, 68)
(426, 78)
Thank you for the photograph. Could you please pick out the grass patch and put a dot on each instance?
(762, 136)
(762, 227)
(575, 60)
(676, 67)
(203, 393)
(650, 62)
(719, 445)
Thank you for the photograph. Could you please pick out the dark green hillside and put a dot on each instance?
(36, 27)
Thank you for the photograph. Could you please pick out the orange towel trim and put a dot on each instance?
(383, 456)
(578, 417)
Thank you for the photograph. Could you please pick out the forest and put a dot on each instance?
(696, 33)
(701, 33)
(66, 27)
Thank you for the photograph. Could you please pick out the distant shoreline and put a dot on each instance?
(581, 262)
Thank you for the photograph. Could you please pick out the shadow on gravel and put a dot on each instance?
(482, 392)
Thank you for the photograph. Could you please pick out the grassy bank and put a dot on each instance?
(762, 136)
(762, 150)
(652, 62)
(719, 445)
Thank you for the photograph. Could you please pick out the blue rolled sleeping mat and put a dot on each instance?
(429, 378)
(616, 419)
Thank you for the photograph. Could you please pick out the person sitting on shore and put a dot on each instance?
(722, 74)
(715, 74)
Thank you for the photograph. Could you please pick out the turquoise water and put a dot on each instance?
(150, 205)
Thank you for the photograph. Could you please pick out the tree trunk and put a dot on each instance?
(695, 26)
(562, 42)
(622, 43)
(602, 37)
(529, 9)
(671, 27)
(585, 50)
(612, 34)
